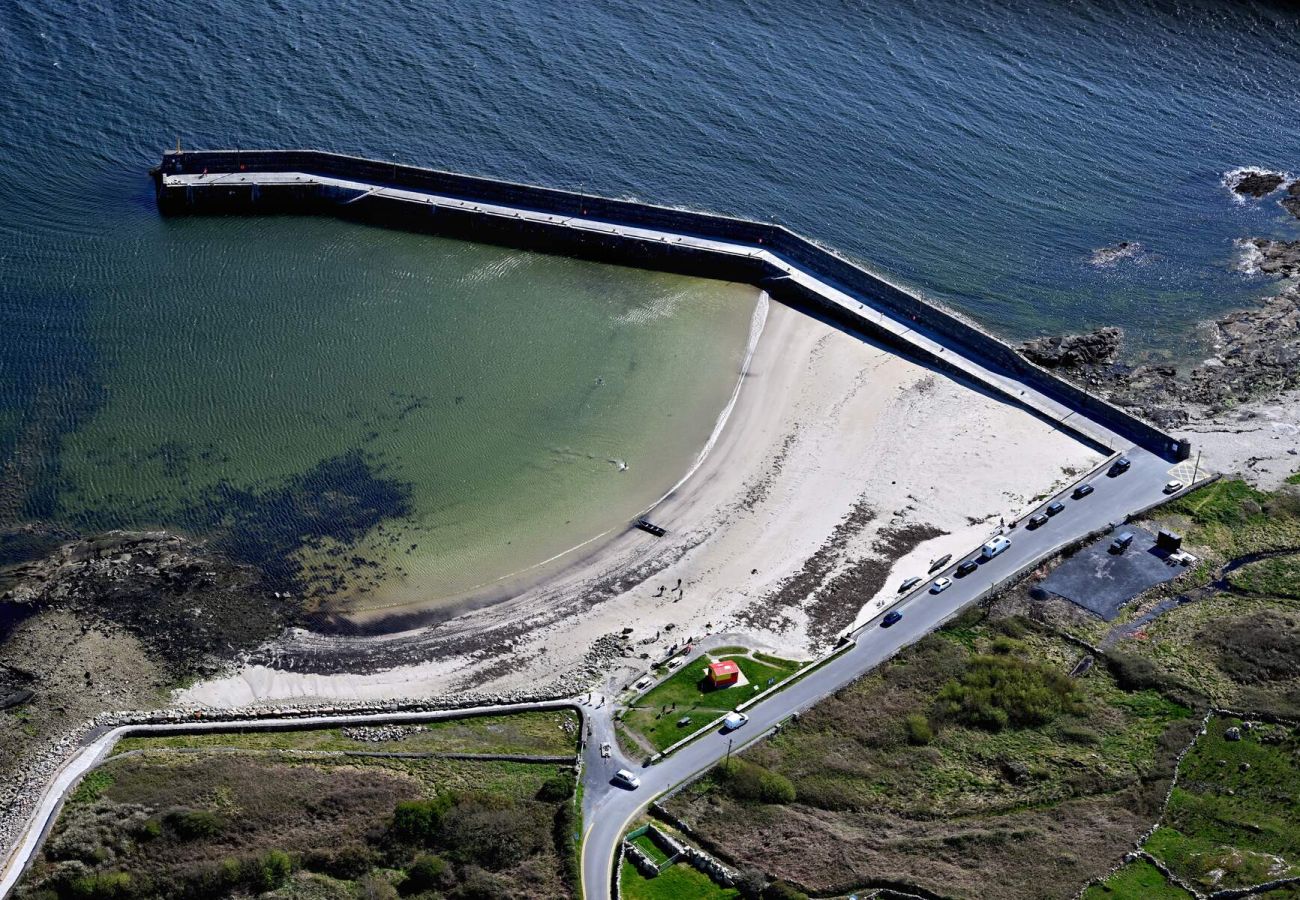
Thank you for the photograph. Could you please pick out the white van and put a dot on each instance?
(992, 548)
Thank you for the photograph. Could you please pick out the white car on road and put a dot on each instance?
(734, 720)
(940, 585)
(626, 779)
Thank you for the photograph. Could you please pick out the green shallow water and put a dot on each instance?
(465, 408)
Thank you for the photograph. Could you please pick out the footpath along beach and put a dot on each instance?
(842, 468)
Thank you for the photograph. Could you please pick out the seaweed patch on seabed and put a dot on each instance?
(339, 501)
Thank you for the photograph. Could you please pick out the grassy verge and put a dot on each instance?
(547, 733)
(677, 882)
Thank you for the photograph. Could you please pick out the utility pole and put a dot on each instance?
(728, 752)
(1197, 468)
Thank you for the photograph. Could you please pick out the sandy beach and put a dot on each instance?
(842, 469)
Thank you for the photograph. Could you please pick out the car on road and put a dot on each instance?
(605, 750)
(940, 585)
(994, 547)
(1173, 487)
(1082, 491)
(1121, 466)
(909, 583)
(734, 720)
(890, 618)
(1120, 544)
(966, 567)
(624, 778)
(1056, 506)
(1038, 520)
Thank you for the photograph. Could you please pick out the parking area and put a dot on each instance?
(1102, 582)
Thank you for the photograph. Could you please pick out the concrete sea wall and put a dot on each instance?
(641, 234)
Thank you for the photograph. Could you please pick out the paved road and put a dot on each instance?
(608, 809)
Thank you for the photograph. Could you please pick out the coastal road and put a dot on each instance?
(609, 809)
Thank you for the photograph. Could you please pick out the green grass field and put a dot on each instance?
(1231, 820)
(687, 695)
(677, 882)
(1138, 880)
(549, 733)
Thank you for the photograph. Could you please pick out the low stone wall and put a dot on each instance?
(557, 236)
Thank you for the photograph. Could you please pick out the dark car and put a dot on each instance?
(1038, 520)
(1121, 466)
(1082, 491)
(890, 618)
(1056, 506)
(966, 568)
(1120, 544)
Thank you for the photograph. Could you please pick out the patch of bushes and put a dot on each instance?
(997, 692)
(193, 824)
(750, 782)
(557, 788)
(427, 873)
(489, 831)
(1264, 647)
(1134, 672)
(919, 732)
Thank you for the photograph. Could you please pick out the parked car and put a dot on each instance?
(1056, 506)
(1037, 520)
(966, 568)
(624, 778)
(1173, 487)
(1082, 491)
(1120, 544)
(605, 750)
(940, 585)
(890, 618)
(1121, 466)
(994, 547)
(909, 583)
(734, 720)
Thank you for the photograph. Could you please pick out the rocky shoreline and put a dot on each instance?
(1256, 355)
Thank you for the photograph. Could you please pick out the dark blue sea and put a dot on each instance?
(980, 151)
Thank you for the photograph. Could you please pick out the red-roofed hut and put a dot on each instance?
(723, 673)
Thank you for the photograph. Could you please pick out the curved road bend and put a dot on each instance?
(609, 810)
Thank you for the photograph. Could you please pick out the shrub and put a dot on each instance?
(557, 788)
(92, 786)
(918, 729)
(1003, 645)
(418, 821)
(192, 824)
(348, 862)
(103, 886)
(427, 873)
(997, 692)
(271, 871)
(779, 890)
(1077, 734)
(148, 830)
(747, 781)
(1137, 673)
(493, 832)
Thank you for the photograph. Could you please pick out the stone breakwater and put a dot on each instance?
(20, 794)
(786, 265)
